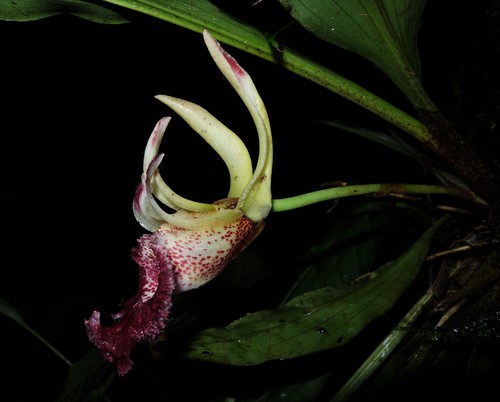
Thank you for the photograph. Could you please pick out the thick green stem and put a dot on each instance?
(299, 201)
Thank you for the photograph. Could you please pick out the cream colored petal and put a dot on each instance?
(256, 199)
(226, 143)
(158, 187)
(154, 142)
(143, 211)
(168, 197)
(183, 218)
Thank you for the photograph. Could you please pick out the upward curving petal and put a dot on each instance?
(158, 187)
(154, 142)
(151, 216)
(226, 143)
(143, 211)
(256, 199)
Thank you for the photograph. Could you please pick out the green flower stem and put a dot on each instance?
(197, 15)
(299, 201)
(383, 351)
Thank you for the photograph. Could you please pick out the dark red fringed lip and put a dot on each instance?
(144, 315)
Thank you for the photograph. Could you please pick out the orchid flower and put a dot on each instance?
(192, 246)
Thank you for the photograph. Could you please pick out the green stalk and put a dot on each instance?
(299, 201)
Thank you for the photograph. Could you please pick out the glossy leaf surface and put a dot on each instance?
(318, 320)
(383, 31)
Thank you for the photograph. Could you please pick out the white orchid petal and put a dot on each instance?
(167, 196)
(154, 142)
(158, 186)
(256, 199)
(152, 168)
(184, 218)
(143, 211)
(150, 153)
(226, 143)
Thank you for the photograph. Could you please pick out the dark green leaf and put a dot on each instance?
(315, 321)
(345, 250)
(87, 380)
(30, 10)
(382, 31)
(382, 138)
(198, 15)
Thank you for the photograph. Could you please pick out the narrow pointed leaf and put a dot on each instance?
(318, 320)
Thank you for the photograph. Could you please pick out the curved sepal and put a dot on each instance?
(256, 198)
(224, 141)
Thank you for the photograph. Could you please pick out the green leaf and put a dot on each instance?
(30, 10)
(382, 31)
(88, 379)
(382, 138)
(345, 249)
(318, 320)
(197, 15)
